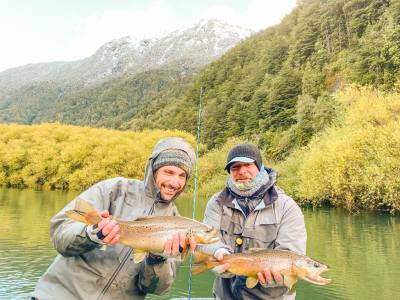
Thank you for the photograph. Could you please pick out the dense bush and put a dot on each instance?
(54, 156)
(355, 163)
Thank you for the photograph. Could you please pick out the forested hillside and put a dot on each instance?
(115, 102)
(120, 79)
(276, 87)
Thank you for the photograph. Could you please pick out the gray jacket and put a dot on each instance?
(85, 270)
(279, 225)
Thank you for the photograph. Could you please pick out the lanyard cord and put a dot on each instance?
(195, 185)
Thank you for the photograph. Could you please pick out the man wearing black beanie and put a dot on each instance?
(253, 212)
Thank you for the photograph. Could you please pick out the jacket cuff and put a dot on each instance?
(93, 234)
(153, 259)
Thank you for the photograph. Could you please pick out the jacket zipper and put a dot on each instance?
(114, 275)
(121, 264)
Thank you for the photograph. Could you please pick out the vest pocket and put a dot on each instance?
(261, 235)
(230, 230)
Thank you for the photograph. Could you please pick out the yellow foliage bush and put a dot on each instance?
(355, 164)
(55, 156)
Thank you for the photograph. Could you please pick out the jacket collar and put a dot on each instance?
(226, 198)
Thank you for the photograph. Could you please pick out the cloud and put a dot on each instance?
(90, 33)
(258, 15)
(80, 37)
(159, 18)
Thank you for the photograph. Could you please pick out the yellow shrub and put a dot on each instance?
(55, 156)
(356, 164)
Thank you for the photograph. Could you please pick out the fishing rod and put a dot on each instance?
(196, 174)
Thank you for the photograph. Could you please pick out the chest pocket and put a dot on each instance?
(263, 230)
(231, 226)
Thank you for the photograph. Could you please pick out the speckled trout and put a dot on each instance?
(148, 234)
(291, 265)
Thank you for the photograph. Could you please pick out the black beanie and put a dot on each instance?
(243, 150)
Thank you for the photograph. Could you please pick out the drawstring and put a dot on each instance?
(196, 175)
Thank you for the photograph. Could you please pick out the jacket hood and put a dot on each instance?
(151, 189)
(272, 175)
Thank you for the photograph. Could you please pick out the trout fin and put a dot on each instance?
(200, 256)
(256, 249)
(84, 212)
(185, 252)
(205, 265)
(83, 205)
(199, 268)
(144, 218)
(139, 256)
(200, 260)
(222, 272)
(290, 282)
(251, 282)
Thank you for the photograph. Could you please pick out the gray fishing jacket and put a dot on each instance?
(85, 270)
(279, 225)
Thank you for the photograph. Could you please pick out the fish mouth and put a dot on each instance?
(213, 236)
(316, 277)
(209, 237)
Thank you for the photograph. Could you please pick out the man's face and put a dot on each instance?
(170, 180)
(243, 172)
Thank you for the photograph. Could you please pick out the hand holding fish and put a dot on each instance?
(177, 243)
(169, 235)
(219, 255)
(109, 229)
(266, 277)
(264, 265)
(105, 231)
(269, 277)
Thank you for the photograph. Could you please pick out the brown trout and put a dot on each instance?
(291, 265)
(148, 234)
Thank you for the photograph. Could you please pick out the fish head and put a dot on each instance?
(204, 234)
(310, 270)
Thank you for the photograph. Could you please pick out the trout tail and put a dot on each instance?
(84, 212)
(203, 262)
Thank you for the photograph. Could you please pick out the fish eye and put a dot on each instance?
(316, 264)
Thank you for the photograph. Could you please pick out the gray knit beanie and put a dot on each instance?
(247, 153)
(173, 157)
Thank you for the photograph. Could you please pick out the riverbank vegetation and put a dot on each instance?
(353, 163)
(285, 88)
(54, 156)
(356, 162)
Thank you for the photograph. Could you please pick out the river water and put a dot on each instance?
(362, 251)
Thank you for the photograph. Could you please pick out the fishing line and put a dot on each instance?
(196, 173)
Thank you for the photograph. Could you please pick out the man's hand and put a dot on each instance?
(219, 255)
(107, 230)
(270, 277)
(175, 245)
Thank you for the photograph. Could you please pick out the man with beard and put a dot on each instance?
(253, 212)
(90, 265)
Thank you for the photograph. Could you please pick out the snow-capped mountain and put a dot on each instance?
(189, 48)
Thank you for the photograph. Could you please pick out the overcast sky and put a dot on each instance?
(33, 31)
